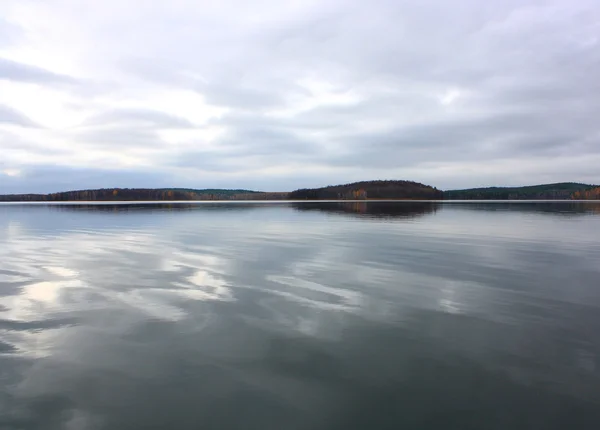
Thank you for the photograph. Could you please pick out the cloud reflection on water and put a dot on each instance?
(184, 315)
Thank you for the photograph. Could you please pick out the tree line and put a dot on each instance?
(365, 190)
(559, 191)
(136, 194)
(369, 190)
(591, 194)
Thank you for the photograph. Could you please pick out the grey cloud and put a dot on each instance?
(485, 137)
(264, 138)
(118, 137)
(9, 115)
(251, 149)
(238, 90)
(49, 179)
(139, 117)
(154, 70)
(204, 159)
(247, 155)
(234, 94)
(12, 141)
(123, 129)
(514, 93)
(8, 32)
(15, 71)
(251, 141)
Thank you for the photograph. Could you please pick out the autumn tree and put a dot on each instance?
(591, 194)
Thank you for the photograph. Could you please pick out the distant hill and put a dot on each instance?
(133, 194)
(369, 190)
(559, 191)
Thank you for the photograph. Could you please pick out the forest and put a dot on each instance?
(369, 190)
(589, 194)
(559, 191)
(364, 190)
(141, 194)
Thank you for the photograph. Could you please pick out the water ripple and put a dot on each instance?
(136, 318)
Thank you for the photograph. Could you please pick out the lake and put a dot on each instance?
(407, 315)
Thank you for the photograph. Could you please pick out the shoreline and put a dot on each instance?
(202, 202)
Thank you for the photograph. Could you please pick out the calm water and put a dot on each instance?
(300, 316)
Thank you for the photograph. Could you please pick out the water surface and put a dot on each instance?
(300, 316)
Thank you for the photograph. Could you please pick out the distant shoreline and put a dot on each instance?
(378, 190)
(277, 202)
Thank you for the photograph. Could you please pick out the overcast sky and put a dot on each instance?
(276, 95)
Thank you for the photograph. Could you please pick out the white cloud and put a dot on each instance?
(11, 172)
(450, 96)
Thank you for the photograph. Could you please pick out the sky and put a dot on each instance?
(277, 95)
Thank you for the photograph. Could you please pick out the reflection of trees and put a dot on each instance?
(120, 208)
(549, 208)
(405, 209)
(166, 207)
(372, 209)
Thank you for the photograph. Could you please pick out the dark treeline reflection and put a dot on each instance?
(369, 209)
(372, 209)
(122, 207)
(548, 208)
(148, 207)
